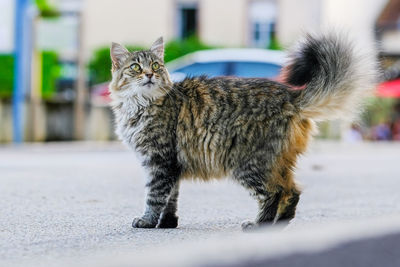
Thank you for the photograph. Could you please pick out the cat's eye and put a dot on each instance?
(135, 67)
(155, 66)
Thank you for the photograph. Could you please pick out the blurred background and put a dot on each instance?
(55, 65)
(64, 203)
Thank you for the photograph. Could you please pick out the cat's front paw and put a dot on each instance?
(168, 221)
(143, 223)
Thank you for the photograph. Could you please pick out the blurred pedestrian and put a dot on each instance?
(381, 132)
(354, 134)
(396, 130)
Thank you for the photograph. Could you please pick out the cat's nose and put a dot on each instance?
(149, 75)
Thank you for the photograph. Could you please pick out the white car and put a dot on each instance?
(240, 62)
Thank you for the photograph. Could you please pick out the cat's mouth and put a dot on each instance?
(149, 83)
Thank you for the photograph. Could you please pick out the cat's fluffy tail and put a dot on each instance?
(336, 77)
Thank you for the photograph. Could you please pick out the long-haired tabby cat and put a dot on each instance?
(251, 130)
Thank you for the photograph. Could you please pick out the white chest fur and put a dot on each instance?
(128, 121)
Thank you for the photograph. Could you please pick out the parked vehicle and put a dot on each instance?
(244, 62)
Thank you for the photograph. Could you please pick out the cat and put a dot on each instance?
(249, 129)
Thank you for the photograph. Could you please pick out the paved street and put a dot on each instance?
(77, 199)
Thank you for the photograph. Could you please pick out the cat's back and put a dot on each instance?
(235, 93)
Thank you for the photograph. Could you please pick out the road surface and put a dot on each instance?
(73, 200)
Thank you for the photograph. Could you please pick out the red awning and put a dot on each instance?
(389, 89)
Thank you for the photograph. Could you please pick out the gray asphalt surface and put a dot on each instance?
(76, 199)
(378, 251)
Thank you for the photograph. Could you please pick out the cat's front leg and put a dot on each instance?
(168, 217)
(159, 189)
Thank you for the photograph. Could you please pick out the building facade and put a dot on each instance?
(231, 23)
(228, 23)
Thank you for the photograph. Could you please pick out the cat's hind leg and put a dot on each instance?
(253, 179)
(287, 206)
(282, 179)
(278, 207)
(286, 194)
(275, 206)
(276, 193)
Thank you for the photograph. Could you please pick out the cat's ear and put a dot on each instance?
(158, 48)
(118, 55)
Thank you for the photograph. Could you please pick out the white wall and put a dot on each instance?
(6, 26)
(126, 22)
(356, 17)
(297, 17)
(391, 42)
(223, 22)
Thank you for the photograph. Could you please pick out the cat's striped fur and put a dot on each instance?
(249, 129)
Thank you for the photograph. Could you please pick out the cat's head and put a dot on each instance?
(139, 74)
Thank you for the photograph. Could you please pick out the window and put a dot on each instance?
(187, 20)
(262, 23)
(261, 34)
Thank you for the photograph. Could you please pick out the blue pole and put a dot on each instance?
(21, 67)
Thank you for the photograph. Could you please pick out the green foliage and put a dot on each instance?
(100, 65)
(6, 75)
(378, 110)
(50, 73)
(274, 44)
(178, 48)
(46, 10)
